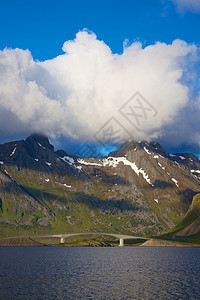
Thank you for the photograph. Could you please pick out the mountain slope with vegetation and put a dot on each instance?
(188, 230)
(139, 189)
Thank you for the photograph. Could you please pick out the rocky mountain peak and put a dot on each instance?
(132, 146)
(40, 140)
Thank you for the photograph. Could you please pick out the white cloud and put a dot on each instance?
(74, 94)
(187, 5)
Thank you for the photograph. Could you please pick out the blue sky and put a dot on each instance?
(44, 26)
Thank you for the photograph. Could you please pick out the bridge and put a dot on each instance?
(64, 236)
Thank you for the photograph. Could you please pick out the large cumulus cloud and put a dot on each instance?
(74, 94)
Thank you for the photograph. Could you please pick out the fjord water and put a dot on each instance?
(99, 273)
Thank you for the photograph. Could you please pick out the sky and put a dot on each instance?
(91, 74)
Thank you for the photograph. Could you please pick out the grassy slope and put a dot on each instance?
(85, 206)
(179, 232)
(82, 202)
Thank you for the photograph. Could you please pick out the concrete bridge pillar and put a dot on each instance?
(121, 242)
(62, 240)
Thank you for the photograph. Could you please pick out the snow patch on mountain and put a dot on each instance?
(41, 146)
(68, 160)
(79, 168)
(114, 161)
(13, 152)
(147, 151)
(195, 171)
(161, 166)
(81, 161)
(175, 181)
(68, 186)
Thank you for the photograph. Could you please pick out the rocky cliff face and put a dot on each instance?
(138, 189)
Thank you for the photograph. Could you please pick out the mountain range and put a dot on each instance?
(139, 189)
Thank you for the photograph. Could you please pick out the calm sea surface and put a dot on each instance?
(99, 273)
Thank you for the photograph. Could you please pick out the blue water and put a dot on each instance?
(99, 273)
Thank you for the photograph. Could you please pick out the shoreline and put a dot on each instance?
(29, 242)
